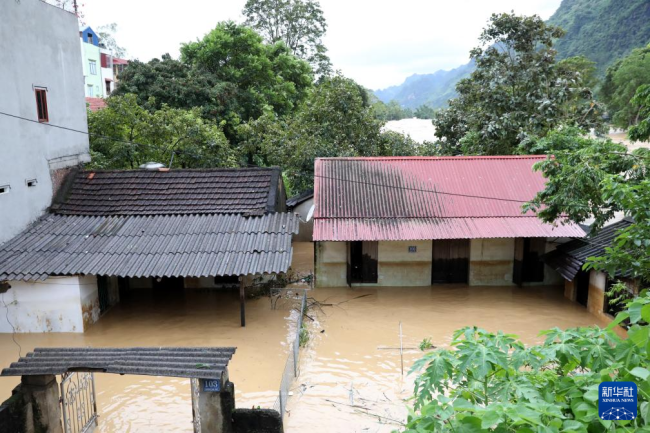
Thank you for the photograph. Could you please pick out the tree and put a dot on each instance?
(334, 120)
(424, 112)
(622, 80)
(516, 93)
(493, 382)
(300, 24)
(106, 35)
(259, 75)
(125, 135)
(641, 101)
(595, 179)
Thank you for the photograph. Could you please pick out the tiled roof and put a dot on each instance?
(246, 191)
(407, 198)
(567, 259)
(95, 104)
(297, 199)
(150, 246)
(192, 362)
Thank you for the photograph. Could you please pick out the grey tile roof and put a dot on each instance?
(150, 246)
(192, 362)
(247, 191)
(567, 259)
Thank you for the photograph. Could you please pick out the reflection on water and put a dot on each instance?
(350, 372)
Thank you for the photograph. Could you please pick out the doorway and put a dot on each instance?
(362, 262)
(581, 282)
(450, 263)
(528, 263)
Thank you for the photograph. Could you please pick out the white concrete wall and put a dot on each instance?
(58, 304)
(40, 47)
(306, 227)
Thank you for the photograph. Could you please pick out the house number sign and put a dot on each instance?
(413, 249)
(212, 385)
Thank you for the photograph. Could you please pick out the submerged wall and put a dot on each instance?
(58, 304)
(331, 264)
(491, 262)
(399, 267)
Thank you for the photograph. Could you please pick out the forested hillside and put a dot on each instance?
(602, 30)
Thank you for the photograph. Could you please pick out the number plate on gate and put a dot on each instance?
(212, 385)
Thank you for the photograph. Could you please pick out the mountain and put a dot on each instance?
(601, 30)
(426, 89)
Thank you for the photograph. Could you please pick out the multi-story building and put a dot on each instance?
(41, 95)
(91, 61)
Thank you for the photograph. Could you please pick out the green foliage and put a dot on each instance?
(595, 178)
(621, 83)
(300, 24)
(425, 344)
(641, 102)
(493, 382)
(601, 30)
(517, 92)
(146, 136)
(390, 111)
(425, 112)
(335, 120)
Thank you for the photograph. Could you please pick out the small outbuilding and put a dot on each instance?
(109, 231)
(590, 287)
(417, 221)
(301, 205)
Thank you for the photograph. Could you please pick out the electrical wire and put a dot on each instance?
(13, 334)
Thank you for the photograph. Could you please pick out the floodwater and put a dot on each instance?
(155, 404)
(350, 379)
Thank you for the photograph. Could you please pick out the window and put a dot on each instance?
(108, 88)
(41, 105)
(90, 38)
(93, 67)
(4, 189)
(91, 90)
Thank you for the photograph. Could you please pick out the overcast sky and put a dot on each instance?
(377, 43)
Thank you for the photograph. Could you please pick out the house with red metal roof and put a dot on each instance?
(417, 221)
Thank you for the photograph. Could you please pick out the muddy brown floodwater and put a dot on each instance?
(350, 377)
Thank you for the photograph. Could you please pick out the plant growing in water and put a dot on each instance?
(425, 344)
(493, 382)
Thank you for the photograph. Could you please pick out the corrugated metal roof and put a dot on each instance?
(403, 198)
(393, 229)
(150, 246)
(567, 259)
(191, 362)
(249, 191)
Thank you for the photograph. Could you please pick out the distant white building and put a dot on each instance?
(42, 92)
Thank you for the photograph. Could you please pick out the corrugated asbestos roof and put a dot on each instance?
(248, 191)
(408, 198)
(191, 362)
(150, 246)
(567, 259)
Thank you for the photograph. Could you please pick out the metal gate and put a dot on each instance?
(78, 402)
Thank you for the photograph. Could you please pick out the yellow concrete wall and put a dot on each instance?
(398, 267)
(331, 265)
(596, 300)
(491, 261)
(570, 290)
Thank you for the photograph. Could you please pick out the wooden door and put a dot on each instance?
(363, 261)
(450, 263)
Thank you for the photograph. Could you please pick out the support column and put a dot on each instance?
(43, 410)
(216, 407)
(242, 300)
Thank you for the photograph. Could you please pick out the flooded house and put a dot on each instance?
(418, 221)
(113, 232)
(589, 287)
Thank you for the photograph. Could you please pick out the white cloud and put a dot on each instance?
(377, 43)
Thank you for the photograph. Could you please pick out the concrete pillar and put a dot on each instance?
(216, 407)
(43, 410)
